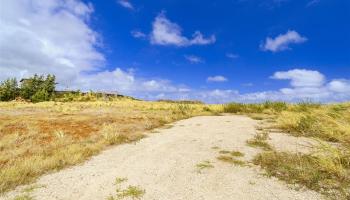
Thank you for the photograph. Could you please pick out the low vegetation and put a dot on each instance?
(327, 168)
(260, 140)
(231, 157)
(41, 137)
(133, 192)
(204, 165)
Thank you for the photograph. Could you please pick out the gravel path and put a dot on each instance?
(164, 166)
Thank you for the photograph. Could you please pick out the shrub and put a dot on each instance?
(40, 95)
(8, 89)
(38, 88)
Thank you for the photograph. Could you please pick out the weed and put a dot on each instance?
(133, 192)
(231, 160)
(31, 188)
(204, 165)
(119, 180)
(232, 153)
(224, 152)
(260, 140)
(236, 154)
(23, 197)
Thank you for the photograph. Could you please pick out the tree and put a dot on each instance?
(38, 88)
(40, 95)
(8, 89)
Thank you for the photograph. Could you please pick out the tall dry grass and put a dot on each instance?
(38, 138)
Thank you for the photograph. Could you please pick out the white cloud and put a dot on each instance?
(138, 34)
(194, 59)
(216, 79)
(47, 37)
(165, 32)
(340, 85)
(301, 77)
(232, 55)
(199, 39)
(282, 41)
(125, 82)
(126, 4)
(318, 91)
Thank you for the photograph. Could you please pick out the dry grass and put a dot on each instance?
(260, 140)
(231, 157)
(327, 169)
(38, 138)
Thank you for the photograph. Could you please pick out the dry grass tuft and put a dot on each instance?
(260, 140)
(231, 160)
(231, 157)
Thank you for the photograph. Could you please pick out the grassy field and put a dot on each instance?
(38, 138)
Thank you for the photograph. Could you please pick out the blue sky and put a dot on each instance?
(215, 51)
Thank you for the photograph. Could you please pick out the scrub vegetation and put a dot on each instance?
(327, 168)
(36, 138)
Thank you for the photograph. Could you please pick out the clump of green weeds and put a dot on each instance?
(204, 165)
(134, 192)
(231, 157)
(260, 140)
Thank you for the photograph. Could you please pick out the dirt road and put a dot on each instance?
(164, 166)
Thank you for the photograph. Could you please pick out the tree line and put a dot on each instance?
(35, 89)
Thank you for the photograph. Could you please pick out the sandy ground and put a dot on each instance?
(164, 165)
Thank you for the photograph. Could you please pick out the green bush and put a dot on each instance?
(38, 88)
(8, 89)
(39, 96)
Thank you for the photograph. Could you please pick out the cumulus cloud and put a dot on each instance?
(126, 82)
(54, 37)
(301, 77)
(194, 59)
(216, 79)
(340, 86)
(282, 41)
(47, 37)
(318, 90)
(165, 32)
(126, 4)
